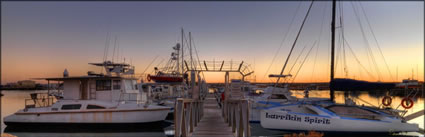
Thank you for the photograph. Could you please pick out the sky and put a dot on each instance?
(41, 39)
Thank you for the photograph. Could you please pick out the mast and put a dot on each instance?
(182, 47)
(332, 51)
(190, 50)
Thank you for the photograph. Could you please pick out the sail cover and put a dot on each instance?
(358, 85)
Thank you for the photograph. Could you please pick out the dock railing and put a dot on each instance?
(187, 114)
(236, 114)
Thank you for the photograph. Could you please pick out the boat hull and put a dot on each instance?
(282, 120)
(165, 79)
(89, 117)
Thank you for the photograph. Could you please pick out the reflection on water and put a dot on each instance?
(12, 101)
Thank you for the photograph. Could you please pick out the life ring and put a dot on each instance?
(149, 77)
(407, 106)
(386, 101)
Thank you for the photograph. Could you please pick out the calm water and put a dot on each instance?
(12, 101)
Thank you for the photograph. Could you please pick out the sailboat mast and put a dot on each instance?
(182, 64)
(332, 92)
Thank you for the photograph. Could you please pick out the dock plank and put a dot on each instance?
(212, 123)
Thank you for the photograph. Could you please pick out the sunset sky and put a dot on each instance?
(41, 39)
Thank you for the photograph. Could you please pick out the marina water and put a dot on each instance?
(13, 100)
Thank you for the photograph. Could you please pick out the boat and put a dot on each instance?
(113, 98)
(329, 116)
(275, 97)
(409, 84)
(171, 72)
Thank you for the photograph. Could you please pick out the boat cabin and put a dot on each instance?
(118, 84)
(104, 88)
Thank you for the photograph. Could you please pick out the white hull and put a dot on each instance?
(283, 120)
(122, 113)
(131, 116)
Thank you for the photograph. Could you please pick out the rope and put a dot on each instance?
(306, 56)
(358, 61)
(295, 42)
(366, 42)
(284, 38)
(377, 44)
(295, 63)
(317, 48)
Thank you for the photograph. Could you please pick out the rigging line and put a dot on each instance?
(162, 60)
(113, 53)
(358, 61)
(338, 55)
(341, 22)
(317, 48)
(188, 48)
(106, 44)
(366, 42)
(283, 40)
(306, 56)
(105, 51)
(141, 75)
(197, 56)
(295, 62)
(377, 44)
(118, 50)
(295, 42)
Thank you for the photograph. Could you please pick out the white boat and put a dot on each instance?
(330, 117)
(114, 98)
(274, 97)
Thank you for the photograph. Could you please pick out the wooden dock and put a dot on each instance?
(212, 124)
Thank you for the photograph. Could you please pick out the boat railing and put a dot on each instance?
(39, 100)
(130, 97)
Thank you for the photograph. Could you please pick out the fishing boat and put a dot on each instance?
(329, 116)
(171, 72)
(113, 98)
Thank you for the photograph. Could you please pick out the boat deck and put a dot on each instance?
(212, 123)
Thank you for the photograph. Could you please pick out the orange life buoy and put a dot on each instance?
(407, 106)
(149, 77)
(386, 101)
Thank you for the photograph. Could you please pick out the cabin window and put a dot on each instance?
(71, 106)
(116, 84)
(95, 107)
(103, 85)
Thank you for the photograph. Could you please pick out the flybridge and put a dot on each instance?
(117, 68)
